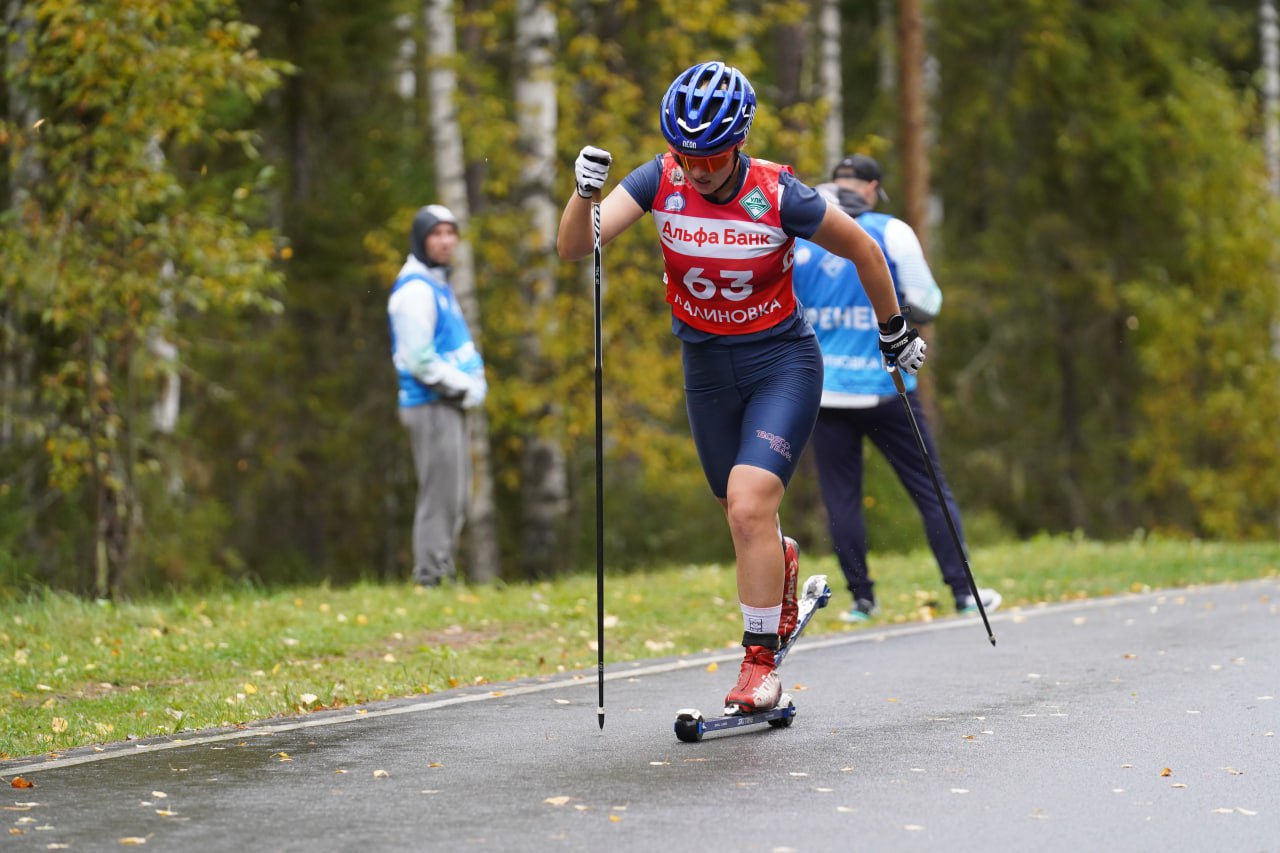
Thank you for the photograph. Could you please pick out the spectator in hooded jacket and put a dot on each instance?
(441, 377)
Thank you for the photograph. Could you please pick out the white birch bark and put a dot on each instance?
(1269, 33)
(483, 563)
(545, 481)
(831, 81)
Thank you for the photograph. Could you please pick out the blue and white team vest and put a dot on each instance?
(452, 340)
(841, 314)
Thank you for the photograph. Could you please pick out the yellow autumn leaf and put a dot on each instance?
(132, 841)
(713, 666)
(58, 724)
(556, 801)
(250, 689)
(1166, 772)
(381, 774)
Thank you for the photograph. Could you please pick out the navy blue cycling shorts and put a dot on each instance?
(752, 404)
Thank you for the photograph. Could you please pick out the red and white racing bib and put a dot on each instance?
(728, 266)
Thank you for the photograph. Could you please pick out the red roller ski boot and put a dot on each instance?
(758, 687)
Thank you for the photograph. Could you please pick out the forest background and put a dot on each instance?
(206, 203)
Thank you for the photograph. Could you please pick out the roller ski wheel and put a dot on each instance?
(785, 704)
(691, 726)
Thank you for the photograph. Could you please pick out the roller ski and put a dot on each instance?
(758, 697)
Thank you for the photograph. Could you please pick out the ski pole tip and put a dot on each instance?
(991, 637)
(600, 718)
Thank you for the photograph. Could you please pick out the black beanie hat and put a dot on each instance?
(423, 221)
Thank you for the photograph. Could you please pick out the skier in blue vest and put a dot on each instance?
(859, 398)
(441, 376)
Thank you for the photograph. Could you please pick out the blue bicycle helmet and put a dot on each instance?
(708, 109)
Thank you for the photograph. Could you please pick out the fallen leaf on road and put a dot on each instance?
(20, 782)
(713, 666)
(1166, 772)
(381, 774)
(556, 801)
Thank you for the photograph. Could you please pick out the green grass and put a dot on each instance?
(76, 672)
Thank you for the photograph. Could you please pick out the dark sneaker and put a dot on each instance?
(790, 604)
(861, 611)
(990, 601)
(758, 687)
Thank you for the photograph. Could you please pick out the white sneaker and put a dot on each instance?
(990, 601)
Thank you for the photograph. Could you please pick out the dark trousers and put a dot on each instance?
(837, 445)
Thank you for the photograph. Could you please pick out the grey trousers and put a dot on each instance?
(442, 460)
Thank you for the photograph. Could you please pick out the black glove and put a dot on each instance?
(900, 346)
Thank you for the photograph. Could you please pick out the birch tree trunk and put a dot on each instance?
(831, 81)
(1269, 33)
(15, 359)
(483, 559)
(544, 480)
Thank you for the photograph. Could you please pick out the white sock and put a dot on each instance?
(761, 620)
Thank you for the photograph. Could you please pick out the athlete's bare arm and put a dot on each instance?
(839, 234)
(617, 213)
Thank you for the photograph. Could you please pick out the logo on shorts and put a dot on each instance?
(777, 443)
(674, 202)
(756, 204)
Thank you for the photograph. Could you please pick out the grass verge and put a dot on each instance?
(75, 673)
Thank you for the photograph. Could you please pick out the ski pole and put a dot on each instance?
(599, 376)
(942, 501)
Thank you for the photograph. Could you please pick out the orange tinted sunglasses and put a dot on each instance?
(707, 162)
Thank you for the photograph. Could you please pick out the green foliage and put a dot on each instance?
(1107, 222)
(1102, 362)
(125, 239)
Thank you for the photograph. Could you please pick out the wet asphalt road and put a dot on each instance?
(1145, 722)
